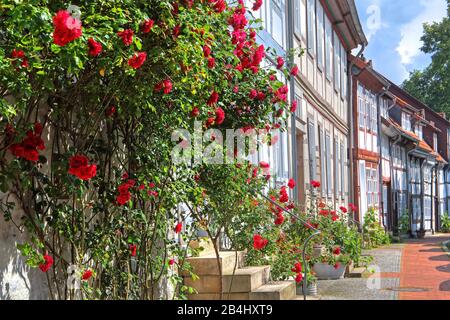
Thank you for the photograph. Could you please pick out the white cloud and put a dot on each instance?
(374, 19)
(410, 44)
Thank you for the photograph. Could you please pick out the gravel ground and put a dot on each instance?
(385, 260)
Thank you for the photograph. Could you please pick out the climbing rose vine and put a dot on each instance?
(87, 96)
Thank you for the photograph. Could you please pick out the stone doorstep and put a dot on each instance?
(207, 265)
(281, 290)
(244, 280)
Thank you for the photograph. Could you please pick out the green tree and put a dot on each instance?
(432, 85)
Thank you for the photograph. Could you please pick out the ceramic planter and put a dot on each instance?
(324, 271)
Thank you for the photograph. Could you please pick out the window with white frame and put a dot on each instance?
(418, 130)
(320, 35)
(337, 186)
(406, 121)
(328, 164)
(435, 141)
(311, 22)
(337, 62)
(344, 72)
(343, 163)
(277, 26)
(384, 108)
(299, 112)
(328, 48)
(323, 162)
(372, 187)
(297, 18)
(373, 101)
(361, 107)
(312, 150)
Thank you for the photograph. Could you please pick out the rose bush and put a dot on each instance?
(88, 102)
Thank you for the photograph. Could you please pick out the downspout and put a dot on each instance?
(409, 185)
(394, 221)
(380, 162)
(290, 47)
(351, 124)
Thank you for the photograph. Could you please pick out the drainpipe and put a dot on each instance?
(394, 228)
(408, 184)
(380, 162)
(352, 131)
(290, 47)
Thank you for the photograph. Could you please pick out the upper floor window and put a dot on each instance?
(435, 142)
(384, 108)
(406, 121)
(277, 21)
(344, 72)
(320, 35)
(337, 63)
(328, 48)
(311, 12)
(418, 130)
(297, 18)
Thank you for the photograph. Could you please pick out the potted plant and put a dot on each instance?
(311, 289)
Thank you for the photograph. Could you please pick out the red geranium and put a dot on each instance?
(67, 28)
(165, 85)
(294, 106)
(126, 36)
(343, 209)
(137, 60)
(219, 6)
(259, 242)
(299, 278)
(279, 219)
(206, 51)
(297, 268)
(48, 262)
(294, 70)
(337, 251)
(79, 166)
(95, 48)
(280, 62)
(352, 207)
(195, 112)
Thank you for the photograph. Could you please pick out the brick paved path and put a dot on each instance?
(416, 269)
(425, 266)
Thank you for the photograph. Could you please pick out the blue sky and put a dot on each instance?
(394, 29)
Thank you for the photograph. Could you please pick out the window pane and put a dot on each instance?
(320, 35)
(311, 26)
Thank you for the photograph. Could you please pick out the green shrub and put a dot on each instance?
(374, 233)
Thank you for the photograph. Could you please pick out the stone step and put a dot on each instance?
(207, 265)
(244, 280)
(281, 290)
(216, 296)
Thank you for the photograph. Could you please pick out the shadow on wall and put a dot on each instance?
(17, 280)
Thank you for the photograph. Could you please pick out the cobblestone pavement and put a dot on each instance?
(416, 269)
(386, 267)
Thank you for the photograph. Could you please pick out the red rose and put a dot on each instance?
(219, 6)
(279, 219)
(213, 99)
(299, 278)
(95, 48)
(257, 4)
(211, 62)
(133, 250)
(87, 275)
(66, 28)
(178, 227)
(315, 184)
(259, 242)
(195, 112)
(171, 262)
(137, 60)
(291, 184)
(343, 209)
(297, 268)
(294, 106)
(126, 36)
(280, 62)
(79, 166)
(48, 262)
(147, 26)
(337, 251)
(220, 116)
(206, 51)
